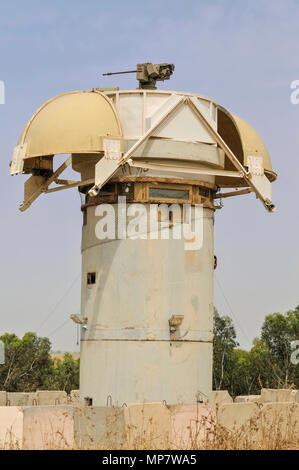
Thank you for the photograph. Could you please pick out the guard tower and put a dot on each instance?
(147, 298)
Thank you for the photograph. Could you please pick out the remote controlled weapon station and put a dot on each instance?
(147, 298)
(148, 74)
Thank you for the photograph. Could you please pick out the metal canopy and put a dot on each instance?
(101, 134)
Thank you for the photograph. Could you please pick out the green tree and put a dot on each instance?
(278, 331)
(240, 375)
(223, 351)
(267, 364)
(27, 362)
(63, 375)
(261, 369)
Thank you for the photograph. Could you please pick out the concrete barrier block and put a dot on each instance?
(3, 398)
(280, 422)
(272, 395)
(219, 398)
(21, 399)
(147, 424)
(242, 421)
(11, 427)
(248, 399)
(48, 427)
(191, 425)
(99, 427)
(134, 426)
(51, 397)
(295, 395)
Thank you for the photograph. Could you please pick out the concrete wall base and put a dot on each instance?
(249, 423)
(134, 426)
(40, 397)
(148, 426)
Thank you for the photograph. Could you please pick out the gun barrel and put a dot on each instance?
(118, 73)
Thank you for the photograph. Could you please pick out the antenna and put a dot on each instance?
(148, 74)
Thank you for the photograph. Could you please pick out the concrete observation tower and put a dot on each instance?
(147, 284)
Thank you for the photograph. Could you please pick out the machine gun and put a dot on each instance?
(148, 74)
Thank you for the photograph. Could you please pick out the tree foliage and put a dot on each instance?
(224, 344)
(268, 363)
(278, 331)
(64, 375)
(29, 366)
(27, 362)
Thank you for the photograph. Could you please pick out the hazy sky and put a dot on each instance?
(244, 54)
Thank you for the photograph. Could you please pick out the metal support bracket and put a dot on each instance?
(259, 184)
(44, 186)
(183, 168)
(233, 193)
(106, 168)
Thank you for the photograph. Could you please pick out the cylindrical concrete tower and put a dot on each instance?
(152, 164)
(132, 292)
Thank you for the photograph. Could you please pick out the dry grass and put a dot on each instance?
(11, 442)
(251, 436)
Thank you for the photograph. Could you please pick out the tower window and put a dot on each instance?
(126, 189)
(91, 278)
(108, 188)
(205, 192)
(167, 193)
(88, 401)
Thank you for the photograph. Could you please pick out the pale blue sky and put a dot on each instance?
(244, 54)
